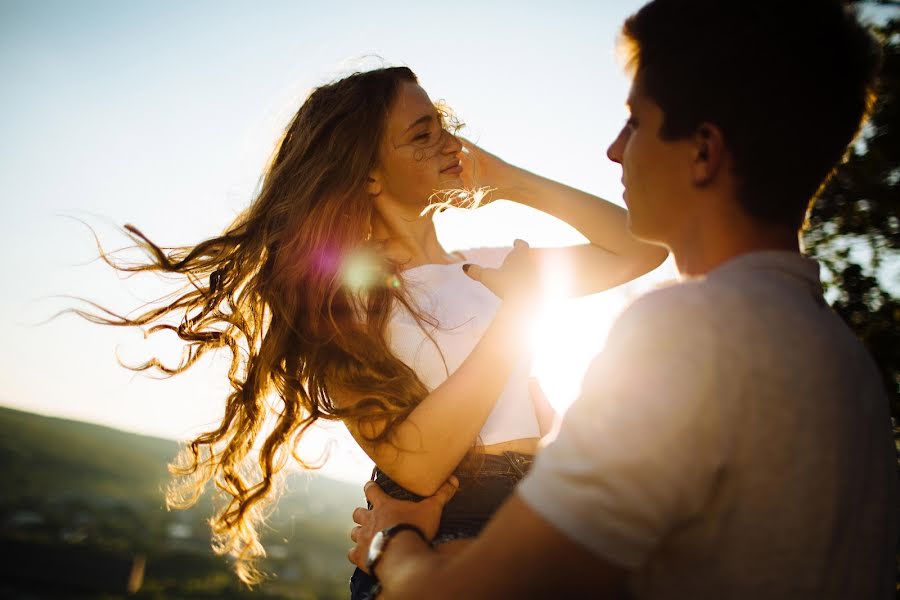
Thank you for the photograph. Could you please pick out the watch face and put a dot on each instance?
(375, 548)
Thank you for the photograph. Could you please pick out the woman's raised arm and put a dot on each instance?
(612, 256)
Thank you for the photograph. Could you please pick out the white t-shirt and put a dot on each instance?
(732, 441)
(463, 309)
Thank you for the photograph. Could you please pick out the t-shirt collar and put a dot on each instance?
(793, 264)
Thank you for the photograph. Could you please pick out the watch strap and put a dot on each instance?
(380, 543)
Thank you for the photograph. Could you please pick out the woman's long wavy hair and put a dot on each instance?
(272, 289)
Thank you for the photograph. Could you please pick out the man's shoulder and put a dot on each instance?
(698, 302)
(665, 326)
(666, 333)
(676, 305)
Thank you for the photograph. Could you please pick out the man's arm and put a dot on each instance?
(519, 555)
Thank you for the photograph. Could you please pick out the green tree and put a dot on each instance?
(854, 228)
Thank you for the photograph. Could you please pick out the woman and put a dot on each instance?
(333, 291)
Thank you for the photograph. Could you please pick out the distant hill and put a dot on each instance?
(70, 485)
(46, 455)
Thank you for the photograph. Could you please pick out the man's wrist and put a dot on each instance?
(386, 537)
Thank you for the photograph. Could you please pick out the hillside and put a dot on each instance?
(81, 492)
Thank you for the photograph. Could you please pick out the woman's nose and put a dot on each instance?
(452, 145)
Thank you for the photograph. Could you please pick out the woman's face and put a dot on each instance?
(417, 156)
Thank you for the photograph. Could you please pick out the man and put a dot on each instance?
(733, 439)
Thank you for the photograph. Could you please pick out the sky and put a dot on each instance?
(163, 114)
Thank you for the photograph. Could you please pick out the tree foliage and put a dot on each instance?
(854, 227)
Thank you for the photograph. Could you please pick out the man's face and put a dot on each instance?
(656, 173)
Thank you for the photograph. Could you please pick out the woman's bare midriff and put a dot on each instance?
(524, 445)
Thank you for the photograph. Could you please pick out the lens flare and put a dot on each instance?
(361, 270)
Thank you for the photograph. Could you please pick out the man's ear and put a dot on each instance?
(709, 153)
(373, 184)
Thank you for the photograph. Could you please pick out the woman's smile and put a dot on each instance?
(455, 168)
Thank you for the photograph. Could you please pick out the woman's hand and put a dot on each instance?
(387, 511)
(481, 169)
(517, 281)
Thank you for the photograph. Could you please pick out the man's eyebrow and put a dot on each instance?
(419, 121)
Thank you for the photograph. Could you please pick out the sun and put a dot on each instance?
(567, 335)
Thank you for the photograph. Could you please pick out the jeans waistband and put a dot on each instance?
(479, 495)
(509, 466)
(512, 464)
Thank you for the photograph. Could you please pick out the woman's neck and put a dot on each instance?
(409, 242)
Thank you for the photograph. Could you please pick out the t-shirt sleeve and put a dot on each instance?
(640, 450)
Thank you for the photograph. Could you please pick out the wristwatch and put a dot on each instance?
(380, 542)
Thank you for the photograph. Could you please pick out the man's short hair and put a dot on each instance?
(788, 83)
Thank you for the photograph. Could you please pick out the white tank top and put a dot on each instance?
(463, 308)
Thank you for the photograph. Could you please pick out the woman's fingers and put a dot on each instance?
(354, 533)
(517, 276)
(489, 278)
(468, 146)
(471, 174)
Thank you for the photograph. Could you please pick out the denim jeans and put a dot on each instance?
(479, 495)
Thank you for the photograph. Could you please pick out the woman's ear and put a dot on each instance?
(709, 153)
(373, 184)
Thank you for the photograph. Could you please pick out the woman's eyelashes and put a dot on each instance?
(432, 136)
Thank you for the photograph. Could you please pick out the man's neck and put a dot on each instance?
(710, 245)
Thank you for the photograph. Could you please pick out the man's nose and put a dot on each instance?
(614, 152)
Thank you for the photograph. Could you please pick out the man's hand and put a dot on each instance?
(387, 511)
